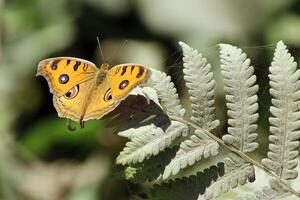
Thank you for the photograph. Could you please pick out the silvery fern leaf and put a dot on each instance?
(187, 188)
(200, 83)
(237, 172)
(241, 96)
(142, 172)
(147, 92)
(192, 150)
(273, 192)
(166, 92)
(285, 119)
(148, 141)
(133, 132)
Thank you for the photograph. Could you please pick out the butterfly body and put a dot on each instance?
(102, 73)
(81, 91)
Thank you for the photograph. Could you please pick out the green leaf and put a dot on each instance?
(39, 138)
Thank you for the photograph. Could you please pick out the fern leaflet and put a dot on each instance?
(237, 172)
(285, 119)
(274, 192)
(187, 188)
(151, 142)
(166, 93)
(200, 83)
(192, 150)
(240, 88)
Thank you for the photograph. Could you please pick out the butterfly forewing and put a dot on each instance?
(63, 73)
(123, 78)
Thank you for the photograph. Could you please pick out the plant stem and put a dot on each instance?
(240, 153)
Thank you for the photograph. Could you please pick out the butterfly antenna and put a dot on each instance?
(118, 50)
(101, 52)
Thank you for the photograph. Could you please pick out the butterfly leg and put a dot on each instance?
(81, 122)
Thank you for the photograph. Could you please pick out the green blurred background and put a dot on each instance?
(40, 159)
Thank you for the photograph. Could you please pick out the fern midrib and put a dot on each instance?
(243, 116)
(241, 154)
(206, 113)
(285, 118)
(205, 117)
(284, 195)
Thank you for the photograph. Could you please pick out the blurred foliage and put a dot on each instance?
(31, 30)
(56, 131)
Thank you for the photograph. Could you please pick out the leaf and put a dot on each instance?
(147, 92)
(285, 119)
(273, 192)
(241, 96)
(54, 131)
(151, 169)
(187, 188)
(134, 132)
(192, 150)
(151, 142)
(237, 172)
(166, 92)
(200, 83)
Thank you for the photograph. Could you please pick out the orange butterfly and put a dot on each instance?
(81, 91)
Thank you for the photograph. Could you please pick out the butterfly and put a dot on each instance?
(81, 91)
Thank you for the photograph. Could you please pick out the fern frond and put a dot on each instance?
(151, 169)
(187, 188)
(133, 132)
(166, 92)
(241, 90)
(192, 150)
(273, 192)
(200, 83)
(151, 142)
(285, 119)
(147, 92)
(237, 172)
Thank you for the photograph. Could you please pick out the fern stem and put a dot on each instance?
(240, 153)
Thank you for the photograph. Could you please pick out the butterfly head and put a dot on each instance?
(104, 67)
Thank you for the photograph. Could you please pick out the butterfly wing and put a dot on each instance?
(63, 73)
(74, 107)
(123, 78)
(118, 83)
(70, 80)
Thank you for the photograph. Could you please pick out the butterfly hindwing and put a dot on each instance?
(101, 102)
(74, 107)
(63, 73)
